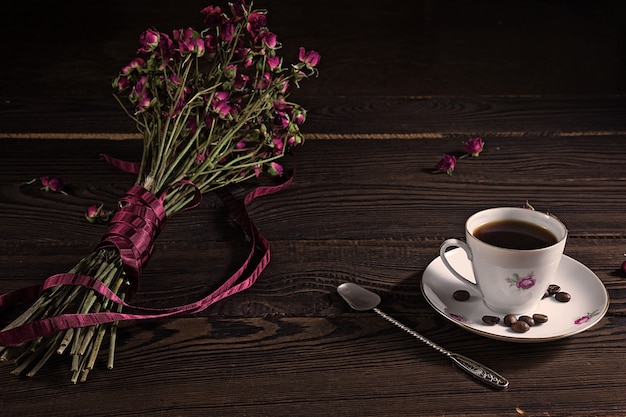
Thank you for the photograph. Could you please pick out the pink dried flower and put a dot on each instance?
(310, 58)
(273, 62)
(278, 145)
(281, 119)
(474, 146)
(446, 164)
(212, 15)
(227, 30)
(268, 40)
(265, 81)
(299, 117)
(149, 40)
(256, 23)
(134, 65)
(240, 82)
(52, 184)
(275, 169)
(97, 214)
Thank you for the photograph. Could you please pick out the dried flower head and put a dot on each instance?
(474, 146)
(48, 183)
(446, 164)
(97, 214)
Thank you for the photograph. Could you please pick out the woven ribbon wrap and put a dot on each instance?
(132, 231)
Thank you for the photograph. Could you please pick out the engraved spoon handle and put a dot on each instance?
(475, 369)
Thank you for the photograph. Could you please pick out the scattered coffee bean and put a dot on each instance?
(461, 295)
(523, 323)
(520, 326)
(563, 297)
(553, 289)
(491, 320)
(528, 320)
(509, 319)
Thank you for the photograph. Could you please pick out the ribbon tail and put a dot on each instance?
(233, 285)
(127, 166)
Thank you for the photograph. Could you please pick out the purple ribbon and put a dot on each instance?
(132, 231)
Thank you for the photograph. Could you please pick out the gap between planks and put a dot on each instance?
(325, 136)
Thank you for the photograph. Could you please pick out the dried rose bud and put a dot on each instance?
(275, 169)
(474, 146)
(309, 58)
(149, 40)
(97, 214)
(52, 184)
(446, 164)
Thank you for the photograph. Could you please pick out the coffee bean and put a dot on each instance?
(563, 297)
(553, 289)
(491, 320)
(540, 318)
(509, 319)
(520, 326)
(461, 295)
(528, 320)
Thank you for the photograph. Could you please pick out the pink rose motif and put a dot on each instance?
(457, 317)
(523, 283)
(586, 317)
(526, 282)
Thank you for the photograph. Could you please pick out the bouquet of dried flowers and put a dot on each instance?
(212, 107)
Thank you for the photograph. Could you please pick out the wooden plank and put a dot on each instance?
(387, 184)
(301, 278)
(337, 117)
(414, 48)
(354, 364)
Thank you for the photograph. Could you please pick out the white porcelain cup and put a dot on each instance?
(509, 280)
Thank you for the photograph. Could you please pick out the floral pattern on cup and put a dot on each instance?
(525, 282)
(457, 317)
(585, 318)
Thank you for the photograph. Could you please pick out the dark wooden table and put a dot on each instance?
(543, 84)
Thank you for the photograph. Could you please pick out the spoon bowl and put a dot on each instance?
(358, 297)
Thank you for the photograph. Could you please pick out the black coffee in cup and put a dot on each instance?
(515, 234)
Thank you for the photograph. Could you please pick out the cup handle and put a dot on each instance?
(455, 243)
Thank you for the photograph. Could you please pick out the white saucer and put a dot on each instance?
(589, 302)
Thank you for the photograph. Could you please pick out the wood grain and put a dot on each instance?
(400, 84)
(331, 117)
(366, 211)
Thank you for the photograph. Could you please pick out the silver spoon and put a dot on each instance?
(361, 299)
